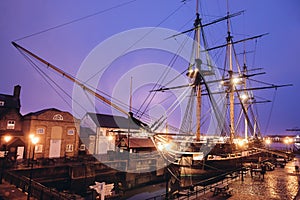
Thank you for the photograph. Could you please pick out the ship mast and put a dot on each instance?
(231, 84)
(245, 100)
(198, 67)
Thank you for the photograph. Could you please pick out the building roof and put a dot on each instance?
(85, 132)
(110, 121)
(41, 112)
(66, 115)
(139, 143)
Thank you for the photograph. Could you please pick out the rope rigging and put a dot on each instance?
(76, 20)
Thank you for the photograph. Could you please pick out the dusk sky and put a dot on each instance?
(69, 30)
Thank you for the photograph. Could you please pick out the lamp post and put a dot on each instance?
(7, 138)
(241, 144)
(287, 141)
(31, 136)
(34, 140)
(268, 142)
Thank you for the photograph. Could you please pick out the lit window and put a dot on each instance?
(10, 124)
(58, 117)
(40, 130)
(82, 147)
(71, 131)
(38, 148)
(1, 103)
(69, 148)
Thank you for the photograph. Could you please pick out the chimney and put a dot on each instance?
(17, 91)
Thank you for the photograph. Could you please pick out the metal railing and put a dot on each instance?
(38, 190)
(198, 190)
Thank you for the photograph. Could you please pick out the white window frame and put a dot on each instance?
(38, 148)
(71, 131)
(38, 130)
(58, 117)
(82, 147)
(11, 124)
(2, 103)
(69, 148)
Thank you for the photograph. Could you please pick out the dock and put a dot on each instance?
(281, 183)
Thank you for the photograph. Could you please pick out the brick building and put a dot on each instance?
(57, 132)
(11, 124)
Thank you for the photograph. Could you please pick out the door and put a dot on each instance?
(20, 152)
(55, 142)
(54, 148)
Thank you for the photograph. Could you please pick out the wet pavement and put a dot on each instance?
(280, 184)
(10, 192)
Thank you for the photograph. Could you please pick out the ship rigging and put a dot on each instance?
(208, 139)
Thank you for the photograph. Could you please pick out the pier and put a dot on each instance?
(281, 183)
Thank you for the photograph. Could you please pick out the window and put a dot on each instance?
(38, 148)
(82, 147)
(10, 124)
(69, 148)
(58, 117)
(1, 103)
(71, 131)
(92, 137)
(40, 130)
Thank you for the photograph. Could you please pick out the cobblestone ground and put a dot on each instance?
(280, 184)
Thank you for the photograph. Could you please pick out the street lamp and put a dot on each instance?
(268, 142)
(287, 141)
(7, 138)
(31, 135)
(34, 140)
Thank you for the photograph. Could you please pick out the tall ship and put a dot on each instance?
(219, 128)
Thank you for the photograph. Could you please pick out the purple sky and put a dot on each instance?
(67, 46)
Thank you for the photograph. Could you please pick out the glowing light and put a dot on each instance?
(7, 138)
(110, 137)
(241, 143)
(268, 141)
(160, 146)
(164, 146)
(35, 140)
(244, 97)
(236, 80)
(168, 146)
(31, 135)
(287, 140)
